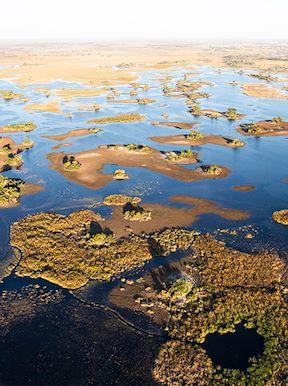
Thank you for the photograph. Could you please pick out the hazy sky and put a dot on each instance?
(143, 19)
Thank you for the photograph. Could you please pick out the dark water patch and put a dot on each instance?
(73, 344)
(233, 350)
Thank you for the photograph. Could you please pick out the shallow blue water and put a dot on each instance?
(262, 162)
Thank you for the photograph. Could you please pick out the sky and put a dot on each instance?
(143, 20)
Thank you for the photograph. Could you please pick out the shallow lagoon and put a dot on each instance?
(262, 162)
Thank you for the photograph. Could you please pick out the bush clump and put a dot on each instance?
(179, 155)
(137, 215)
(120, 174)
(70, 163)
(121, 199)
(29, 126)
(212, 169)
(195, 135)
(281, 216)
(10, 190)
(138, 148)
(231, 114)
(102, 239)
(237, 143)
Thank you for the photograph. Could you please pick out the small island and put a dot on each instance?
(90, 173)
(269, 128)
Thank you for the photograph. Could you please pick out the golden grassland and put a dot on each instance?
(92, 63)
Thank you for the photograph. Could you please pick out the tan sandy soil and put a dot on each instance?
(56, 147)
(75, 69)
(92, 162)
(69, 93)
(130, 101)
(91, 62)
(244, 188)
(88, 108)
(30, 189)
(262, 90)
(50, 107)
(69, 134)
(184, 140)
(266, 129)
(165, 216)
(177, 125)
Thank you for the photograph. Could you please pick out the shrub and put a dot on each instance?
(212, 169)
(120, 199)
(137, 215)
(277, 120)
(195, 110)
(94, 130)
(231, 114)
(237, 143)
(179, 155)
(102, 239)
(9, 190)
(138, 148)
(14, 160)
(195, 135)
(71, 163)
(28, 142)
(29, 126)
(120, 174)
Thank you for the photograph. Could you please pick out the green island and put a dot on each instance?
(120, 174)
(133, 117)
(120, 200)
(18, 127)
(9, 95)
(211, 169)
(281, 216)
(269, 128)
